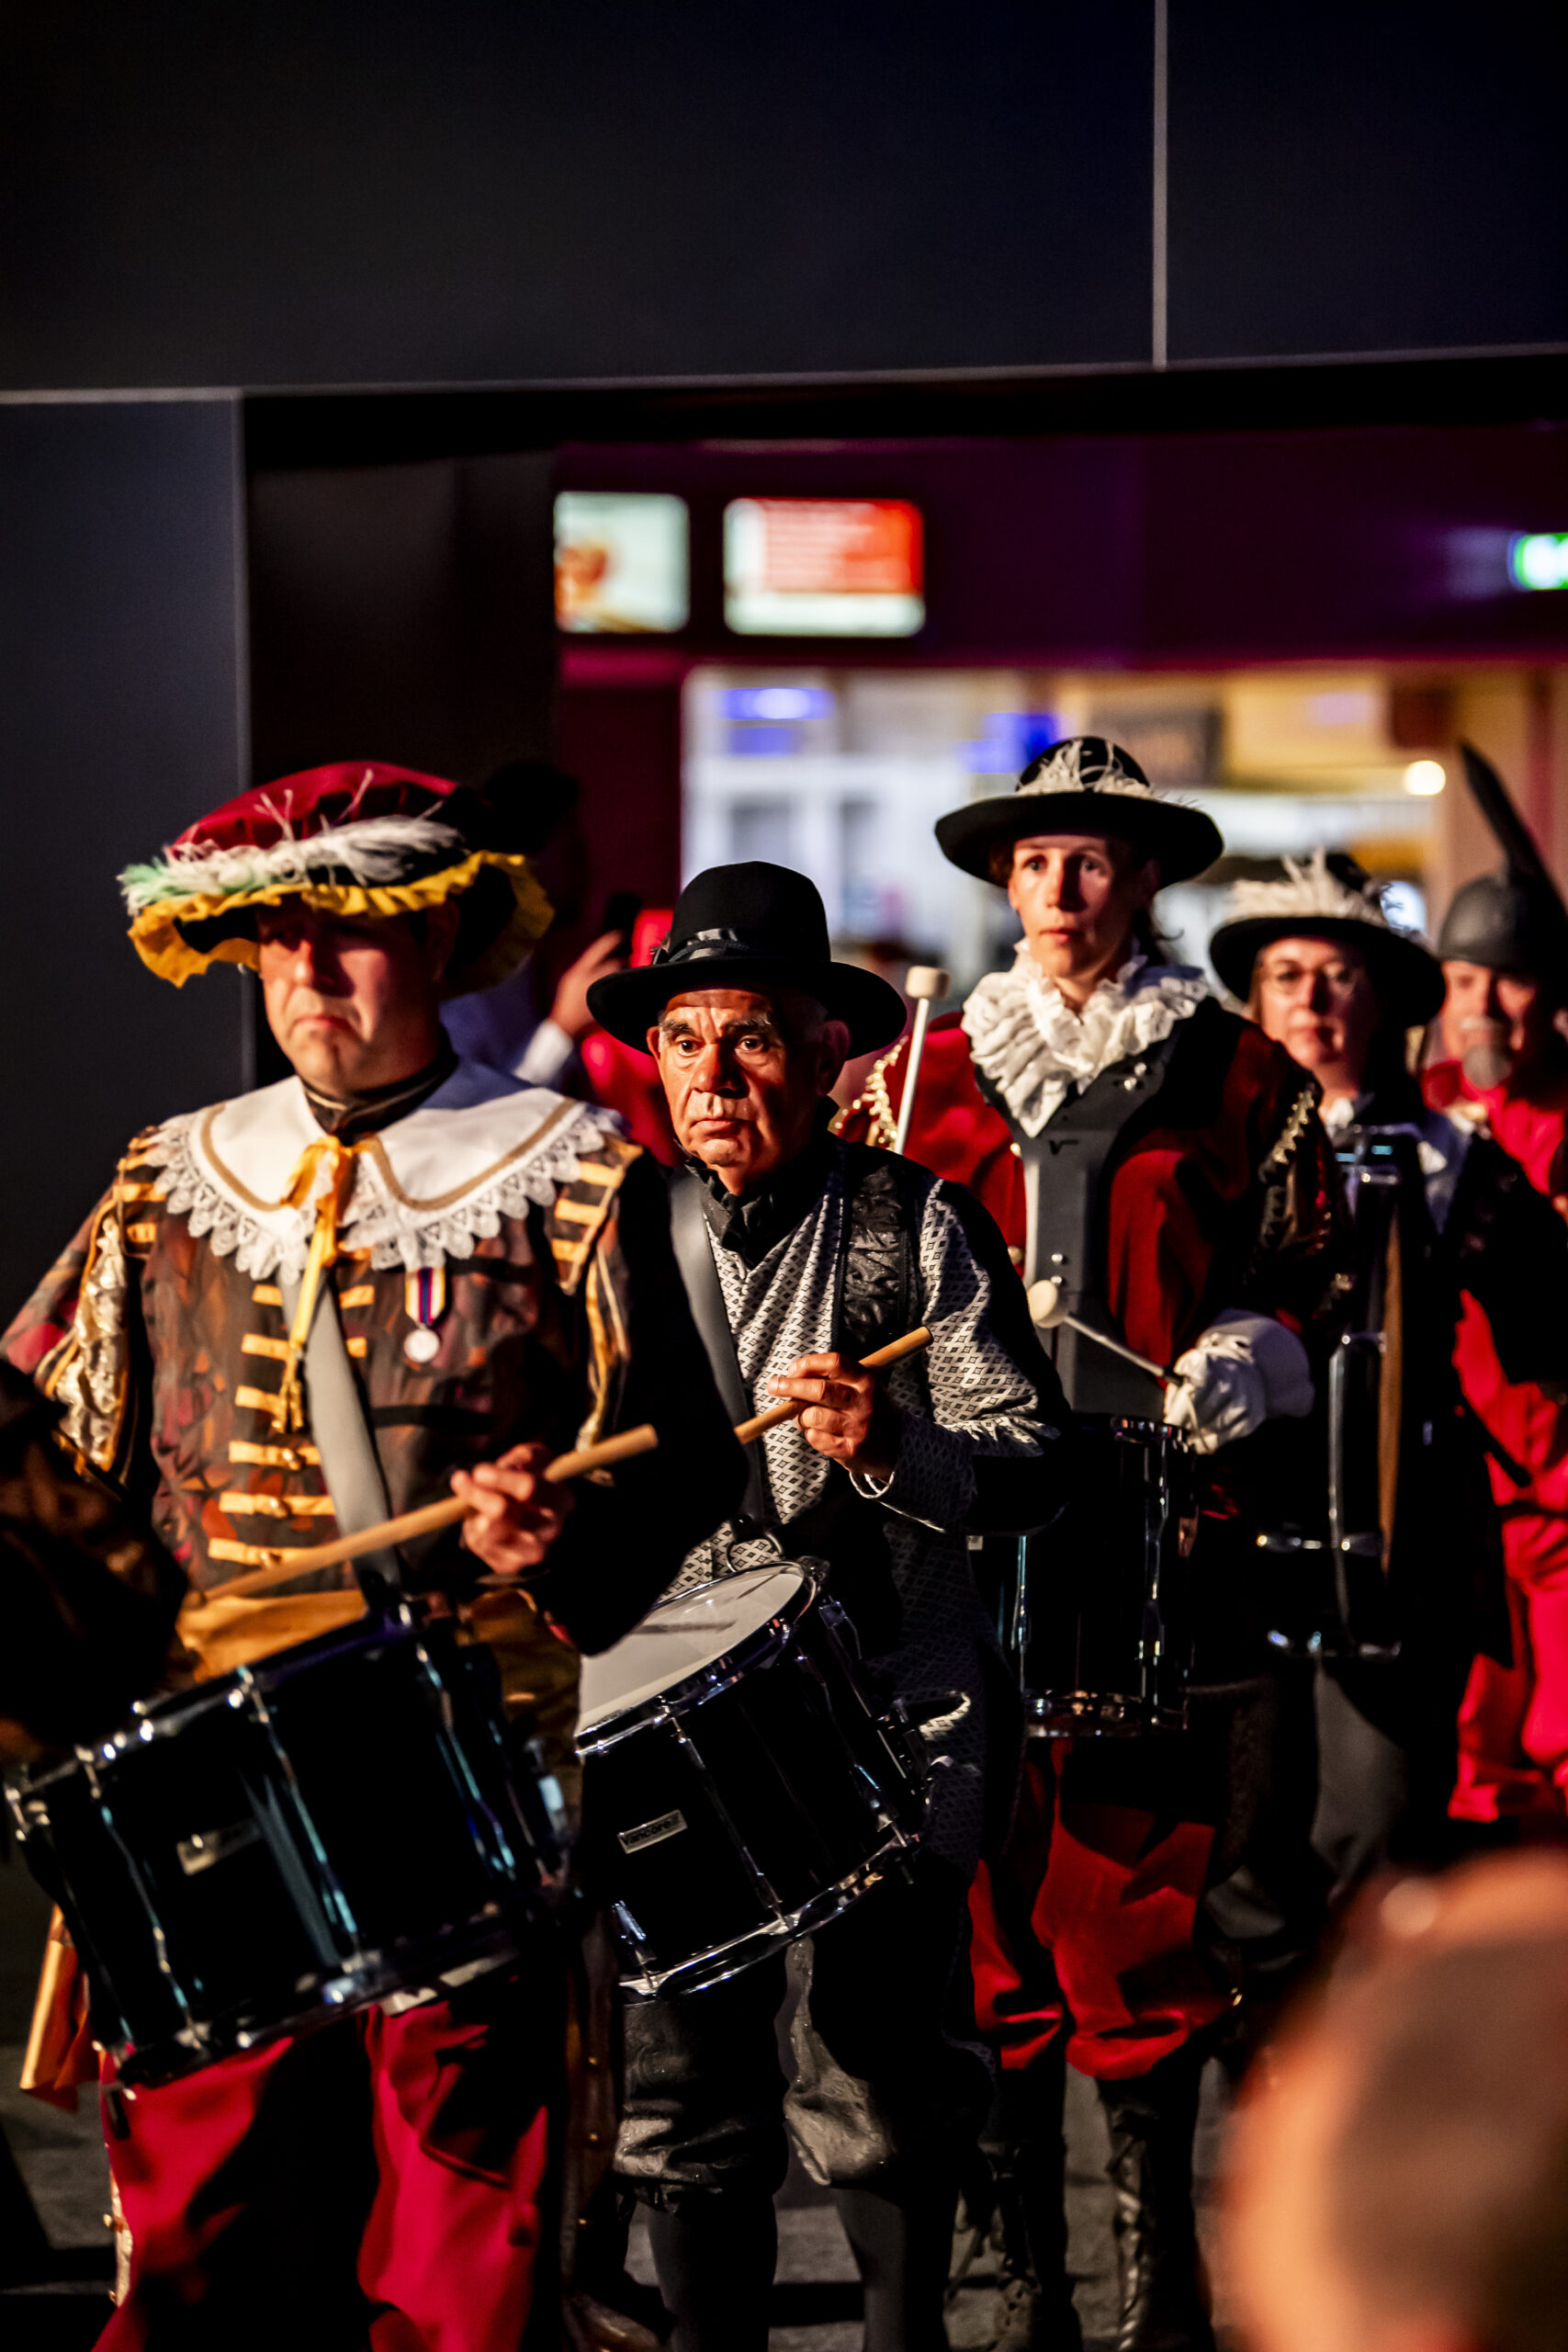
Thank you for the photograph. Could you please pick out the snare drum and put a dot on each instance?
(739, 1787)
(1100, 1607)
(273, 1849)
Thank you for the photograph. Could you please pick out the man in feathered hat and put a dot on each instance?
(487, 1267)
(1321, 969)
(802, 1255)
(1157, 1170)
(1501, 1061)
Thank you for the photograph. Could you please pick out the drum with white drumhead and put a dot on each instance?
(742, 1787)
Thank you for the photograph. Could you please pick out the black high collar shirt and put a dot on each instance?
(357, 1115)
(752, 1227)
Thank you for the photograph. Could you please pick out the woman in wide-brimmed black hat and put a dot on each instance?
(1342, 1004)
(1159, 1176)
(1084, 785)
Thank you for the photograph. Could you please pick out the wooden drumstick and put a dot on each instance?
(747, 1432)
(431, 1516)
(894, 1352)
(424, 1522)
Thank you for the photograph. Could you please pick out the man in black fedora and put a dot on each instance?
(801, 1255)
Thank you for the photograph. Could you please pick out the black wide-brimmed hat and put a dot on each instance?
(1328, 896)
(1083, 785)
(759, 927)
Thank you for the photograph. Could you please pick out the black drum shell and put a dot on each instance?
(745, 1805)
(1104, 1639)
(269, 1850)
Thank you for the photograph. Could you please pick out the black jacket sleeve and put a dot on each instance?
(627, 1535)
(89, 1601)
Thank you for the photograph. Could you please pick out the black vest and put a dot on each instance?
(1067, 1194)
(877, 1298)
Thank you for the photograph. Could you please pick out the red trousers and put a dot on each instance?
(1084, 1926)
(377, 2187)
(1513, 1726)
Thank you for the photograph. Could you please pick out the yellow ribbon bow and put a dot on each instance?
(338, 1158)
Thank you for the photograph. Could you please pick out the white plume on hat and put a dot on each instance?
(369, 849)
(1311, 890)
(1062, 772)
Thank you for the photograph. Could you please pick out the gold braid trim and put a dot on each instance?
(877, 1102)
(88, 1373)
(1303, 1110)
(162, 933)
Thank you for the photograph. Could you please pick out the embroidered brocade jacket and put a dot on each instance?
(160, 1334)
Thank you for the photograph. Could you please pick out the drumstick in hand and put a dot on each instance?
(894, 1352)
(388, 1533)
(402, 1530)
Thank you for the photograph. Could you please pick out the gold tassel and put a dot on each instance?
(338, 1158)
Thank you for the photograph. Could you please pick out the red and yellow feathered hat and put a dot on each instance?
(358, 839)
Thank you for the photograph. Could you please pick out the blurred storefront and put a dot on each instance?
(1293, 630)
(843, 771)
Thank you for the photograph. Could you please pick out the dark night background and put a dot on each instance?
(261, 206)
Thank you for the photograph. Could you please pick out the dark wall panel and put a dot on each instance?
(1358, 176)
(356, 191)
(119, 636)
(403, 613)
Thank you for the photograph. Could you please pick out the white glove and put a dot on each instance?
(1243, 1371)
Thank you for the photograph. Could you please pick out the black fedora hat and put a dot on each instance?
(1328, 896)
(1083, 785)
(759, 927)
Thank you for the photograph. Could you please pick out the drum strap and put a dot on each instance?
(694, 1255)
(876, 1293)
(351, 1467)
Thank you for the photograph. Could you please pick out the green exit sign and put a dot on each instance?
(1539, 558)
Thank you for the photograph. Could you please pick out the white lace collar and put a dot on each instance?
(426, 1188)
(1035, 1049)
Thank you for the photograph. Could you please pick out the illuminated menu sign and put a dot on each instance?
(823, 567)
(621, 563)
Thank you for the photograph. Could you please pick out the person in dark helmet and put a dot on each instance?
(1501, 1062)
(802, 1254)
(1503, 949)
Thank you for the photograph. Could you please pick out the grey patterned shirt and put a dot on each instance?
(966, 1399)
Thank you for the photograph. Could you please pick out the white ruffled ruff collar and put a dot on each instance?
(426, 1188)
(1035, 1049)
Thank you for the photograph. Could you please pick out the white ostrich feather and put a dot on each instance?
(1064, 772)
(372, 849)
(1309, 889)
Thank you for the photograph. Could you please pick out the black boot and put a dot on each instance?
(1151, 2119)
(903, 2250)
(1023, 2141)
(714, 2254)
